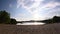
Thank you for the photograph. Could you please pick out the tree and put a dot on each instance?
(4, 17)
(56, 19)
(13, 21)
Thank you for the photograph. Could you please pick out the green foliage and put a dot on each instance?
(4, 17)
(13, 21)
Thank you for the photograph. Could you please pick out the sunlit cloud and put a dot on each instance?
(22, 19)
(52, 9)
(54, 12)
(31, 9)
(34, 7)
(50, 5)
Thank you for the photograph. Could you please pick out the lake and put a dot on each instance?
(32, 23)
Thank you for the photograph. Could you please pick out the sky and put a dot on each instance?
(23, 10)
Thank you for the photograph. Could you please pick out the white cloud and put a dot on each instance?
(53, 12)
(22, 19)
(50, 8)
(35, 6)
(21, 14)
(50, 5)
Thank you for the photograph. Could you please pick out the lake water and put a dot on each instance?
(32, 23)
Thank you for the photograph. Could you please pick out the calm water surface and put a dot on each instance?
(32, 23)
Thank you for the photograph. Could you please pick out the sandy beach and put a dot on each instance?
(30, 29)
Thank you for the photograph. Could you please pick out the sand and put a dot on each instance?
(30, 29)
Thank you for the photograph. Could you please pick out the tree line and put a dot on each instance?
(5, 18)
(55, 19)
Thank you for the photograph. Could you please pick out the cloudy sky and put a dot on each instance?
(31, 9)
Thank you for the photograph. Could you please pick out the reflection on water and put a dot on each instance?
(32, 23)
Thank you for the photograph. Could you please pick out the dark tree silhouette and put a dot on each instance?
(4, 17)
(13, 21)
(55, 19)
